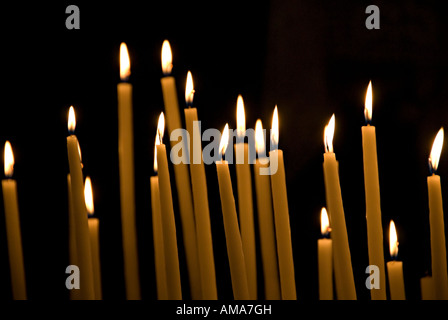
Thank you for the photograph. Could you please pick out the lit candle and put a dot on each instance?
(233, 237)
(168, 223)
(181, 174)
(83, 250)
(345, 284)
(127, 184)
(266, 219)
(157, 232)
(13, 233)
(200, 198)
(94, 226)
(394, 267)
(325, 259)
(281, 216)
(436, 221)
(372, 193)
(245, 201)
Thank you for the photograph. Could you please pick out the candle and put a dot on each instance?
(233, 237)
(12, 221)
(345, 284)
(157, 233)
(266, 219)
(372, 193)
(127, 185)
(168, 224)
(74, 294)
(281, 216)
(436, 221)
(83, 250)
(245, 202)
(427, 288)
(200, 198)
(181, 175)
(394, 267)
(325, 259)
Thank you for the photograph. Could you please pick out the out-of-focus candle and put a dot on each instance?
(372, 192)
(245, 200)
(181, 174)
(13, 232)
(325, 259)
(200, 198)
(233, 236)
(168, 223)
(127, 184)
(266, 219)
(395, 268)
(83, 249)
(345, 284)
(94, 229)
(281, 216)
(436, 221)
(157, 232)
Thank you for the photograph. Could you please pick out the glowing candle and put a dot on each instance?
(13, 233)
(94, 226)
(281, 216)
(127, 184)
(395, 268)
(372, 193)
(233, 237)
(325, 259)
(436, 221)
(181, 174)
(83, 250)
(266, 219)
(200, 198)
(345, 284)
(168, 223)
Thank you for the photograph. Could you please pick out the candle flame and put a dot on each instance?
(71, 120)
(393, 240)
(189, 89)
(329, 134)
(79, 152)
(224, 140)
(161, 127)
(167, 58)
(156, 143)
(324, 222)
(125, 62)
(436, 149)
(88, 196)
(368, 103)
(259, 138)
(274, 129)
(240, 117)
(9, 160)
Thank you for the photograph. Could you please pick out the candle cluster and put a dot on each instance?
(335, 271)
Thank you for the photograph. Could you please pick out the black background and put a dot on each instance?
(312, 59)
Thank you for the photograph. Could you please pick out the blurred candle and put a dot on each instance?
(233, 237)
(245, 200)
(266, 219)
(181, 174)
(157, 232)
(325, 259)
(200, 198)
(281, 216)
(74, 294)
(394, 267)
(94, 226)
(83, 249)
(437, 224)
(127, 184)
(12, 221)
(345, 284)
(168, 223)
(372, 194)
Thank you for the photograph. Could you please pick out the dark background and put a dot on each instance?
(312, 59)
